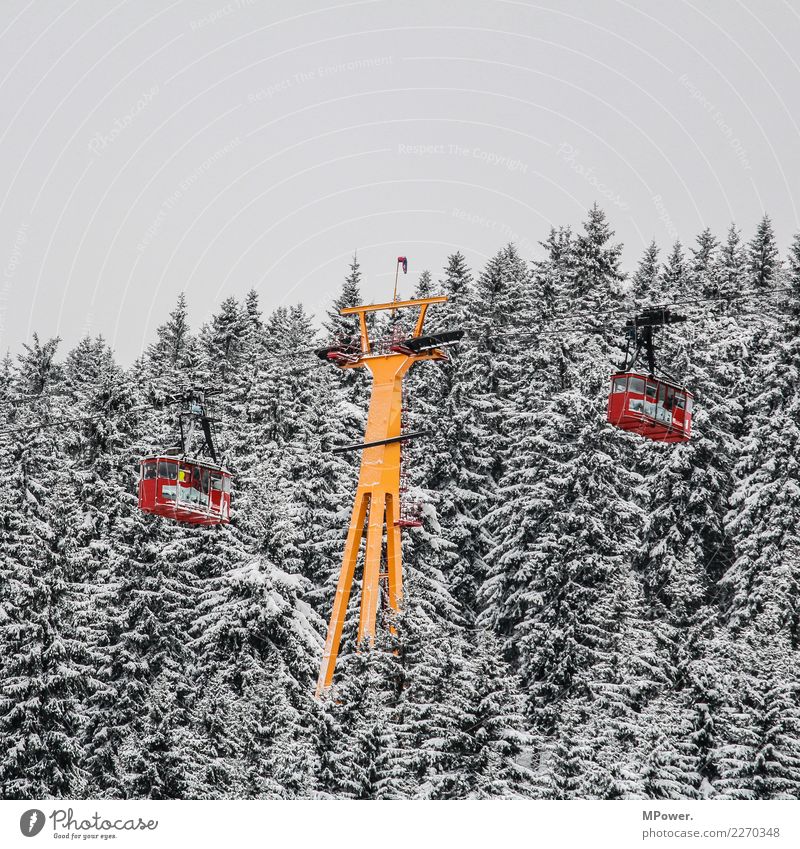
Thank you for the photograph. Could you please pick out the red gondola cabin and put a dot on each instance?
(650, 406)
(190, 491)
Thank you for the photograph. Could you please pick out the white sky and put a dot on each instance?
(150, 147)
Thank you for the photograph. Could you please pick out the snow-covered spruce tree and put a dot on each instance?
(646, 287)
(38, 372)
(46, 658)
(673, 276)
(165, 756)
(551, 413)
(151, 653)
(299, 492)
(456, 283)
(425, 287)
(101, 454)
(730, 270)
(432, 462)
(47, 666)
(357, 741)
(496, 740)
(339, 327)
(458, 723)
(758, 733)
(597, 274)
(257, 643)
(431, 717)
(764, 578)
(526, 496)
(759, 740)
(471, 446)
(171, 355)
(344, 329)
(677, 539)
(763, 260)
(255, 636)
(603, 713)
(147, 597)
(793, 273)
(223, 341)
(702, 263)
(446, 735)
(568, 598)
(686, 490)
(776, 773)
(668, 768)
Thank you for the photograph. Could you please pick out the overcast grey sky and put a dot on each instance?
(149, 147)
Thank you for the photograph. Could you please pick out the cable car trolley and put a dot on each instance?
(652, 406)
(196, 490)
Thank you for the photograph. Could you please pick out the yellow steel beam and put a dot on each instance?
(393, 305)
(343, 589)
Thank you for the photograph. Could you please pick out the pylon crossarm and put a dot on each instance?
(394, 305)
(432, 354)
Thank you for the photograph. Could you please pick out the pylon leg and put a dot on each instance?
(343, 589)
(393, 553)
(370, 591)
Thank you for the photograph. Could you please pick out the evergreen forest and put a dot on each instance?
(588, 614)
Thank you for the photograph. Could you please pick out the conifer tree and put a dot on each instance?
(425, 287)
(646, 288)
(793, 271)
(762, 255)
(38, 369)
(173, 337)
(46, 662)
(358, 741)
(598, 276)
(338, 327)
(703, 262)
(730, 267)
(673, 276)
